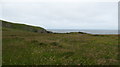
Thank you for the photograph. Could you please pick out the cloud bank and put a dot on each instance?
(64, 15)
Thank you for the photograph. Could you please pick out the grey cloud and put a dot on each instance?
(99, 15)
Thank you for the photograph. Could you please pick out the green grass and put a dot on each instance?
(28, 48)
(23, 27)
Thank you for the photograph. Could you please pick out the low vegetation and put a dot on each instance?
(30, 48)
(23, 27)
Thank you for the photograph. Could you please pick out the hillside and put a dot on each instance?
(23, 27)
(29, 48)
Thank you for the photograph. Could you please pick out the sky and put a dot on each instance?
(62, 14)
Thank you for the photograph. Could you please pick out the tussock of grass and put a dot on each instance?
(35, 42)
(67, 54)
(54, 43)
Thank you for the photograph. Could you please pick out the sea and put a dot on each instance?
(85, 31)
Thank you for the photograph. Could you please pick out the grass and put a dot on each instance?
(22, 27)
(28, 48)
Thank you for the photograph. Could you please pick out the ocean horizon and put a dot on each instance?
(84, 30)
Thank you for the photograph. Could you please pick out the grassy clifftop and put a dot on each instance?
(29, 48)
(23, 27)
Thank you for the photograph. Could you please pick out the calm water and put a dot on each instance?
(86, 31)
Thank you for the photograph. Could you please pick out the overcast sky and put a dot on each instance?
(62, 15)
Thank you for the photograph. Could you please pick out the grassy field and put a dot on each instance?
(28, 48)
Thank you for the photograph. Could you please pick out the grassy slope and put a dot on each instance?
(27, 48)
(23, 27)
